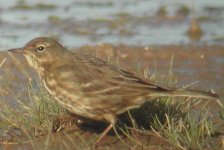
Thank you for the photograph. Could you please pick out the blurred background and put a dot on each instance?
(141, 33)
(172, 42)
(131, 22)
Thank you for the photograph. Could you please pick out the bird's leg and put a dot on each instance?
(110, 118)
(104, 133)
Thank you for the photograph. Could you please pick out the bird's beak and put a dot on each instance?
(17, 50)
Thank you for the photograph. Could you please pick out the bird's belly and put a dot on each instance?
(82, 110)
(74, 103)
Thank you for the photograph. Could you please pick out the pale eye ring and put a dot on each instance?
(40, 48)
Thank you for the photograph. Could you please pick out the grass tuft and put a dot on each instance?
(34, 118)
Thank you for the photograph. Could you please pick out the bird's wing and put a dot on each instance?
(111, 88)
(95, 76)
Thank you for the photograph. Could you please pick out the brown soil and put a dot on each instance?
(190, 63)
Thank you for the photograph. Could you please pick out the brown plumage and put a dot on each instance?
(90, 87)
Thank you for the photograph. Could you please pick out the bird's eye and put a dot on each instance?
(40, 48)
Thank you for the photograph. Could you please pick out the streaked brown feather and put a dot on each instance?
(91, 87)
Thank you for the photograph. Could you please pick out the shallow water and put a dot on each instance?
(78, 22)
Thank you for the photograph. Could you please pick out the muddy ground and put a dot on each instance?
(142, 35)
(190, 64)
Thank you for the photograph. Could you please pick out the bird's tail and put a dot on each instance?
(188, 93)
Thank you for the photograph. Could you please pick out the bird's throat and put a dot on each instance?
(34, 64)
(31, 61)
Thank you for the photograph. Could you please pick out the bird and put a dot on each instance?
(91, 87)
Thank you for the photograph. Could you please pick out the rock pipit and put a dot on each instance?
(90, 87)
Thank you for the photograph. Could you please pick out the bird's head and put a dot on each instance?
(40, 51)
